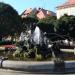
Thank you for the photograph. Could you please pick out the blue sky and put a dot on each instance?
(21, 5)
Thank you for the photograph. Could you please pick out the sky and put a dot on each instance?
(21, 5)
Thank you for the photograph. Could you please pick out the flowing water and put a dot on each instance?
(37, 36)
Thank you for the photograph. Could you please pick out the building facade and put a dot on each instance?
(66, 8)
(39, 12)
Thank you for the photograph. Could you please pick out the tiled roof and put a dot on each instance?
(71, 1)
(38, 11)
(67, 4)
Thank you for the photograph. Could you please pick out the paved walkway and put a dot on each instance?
(12, 72)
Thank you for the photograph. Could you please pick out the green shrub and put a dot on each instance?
(39, 57)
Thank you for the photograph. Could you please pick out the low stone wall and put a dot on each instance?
(69, 64)
(34, 65)
(21, 65)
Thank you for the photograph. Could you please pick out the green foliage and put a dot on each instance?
(28, 22)
(47, 24)
(48, 19)
(16, 53)
(31, 53)
(10, 21)
(32, 15)
(66, 25)
(39, 57)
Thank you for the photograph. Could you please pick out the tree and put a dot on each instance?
(66, 26)
(47, 24)
(28, 22)
(10, 21)
(32, 15)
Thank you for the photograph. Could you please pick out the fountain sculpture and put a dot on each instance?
(37, 36)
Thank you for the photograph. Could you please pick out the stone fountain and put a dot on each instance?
(37, 36)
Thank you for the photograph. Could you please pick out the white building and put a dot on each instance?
(66, 8)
